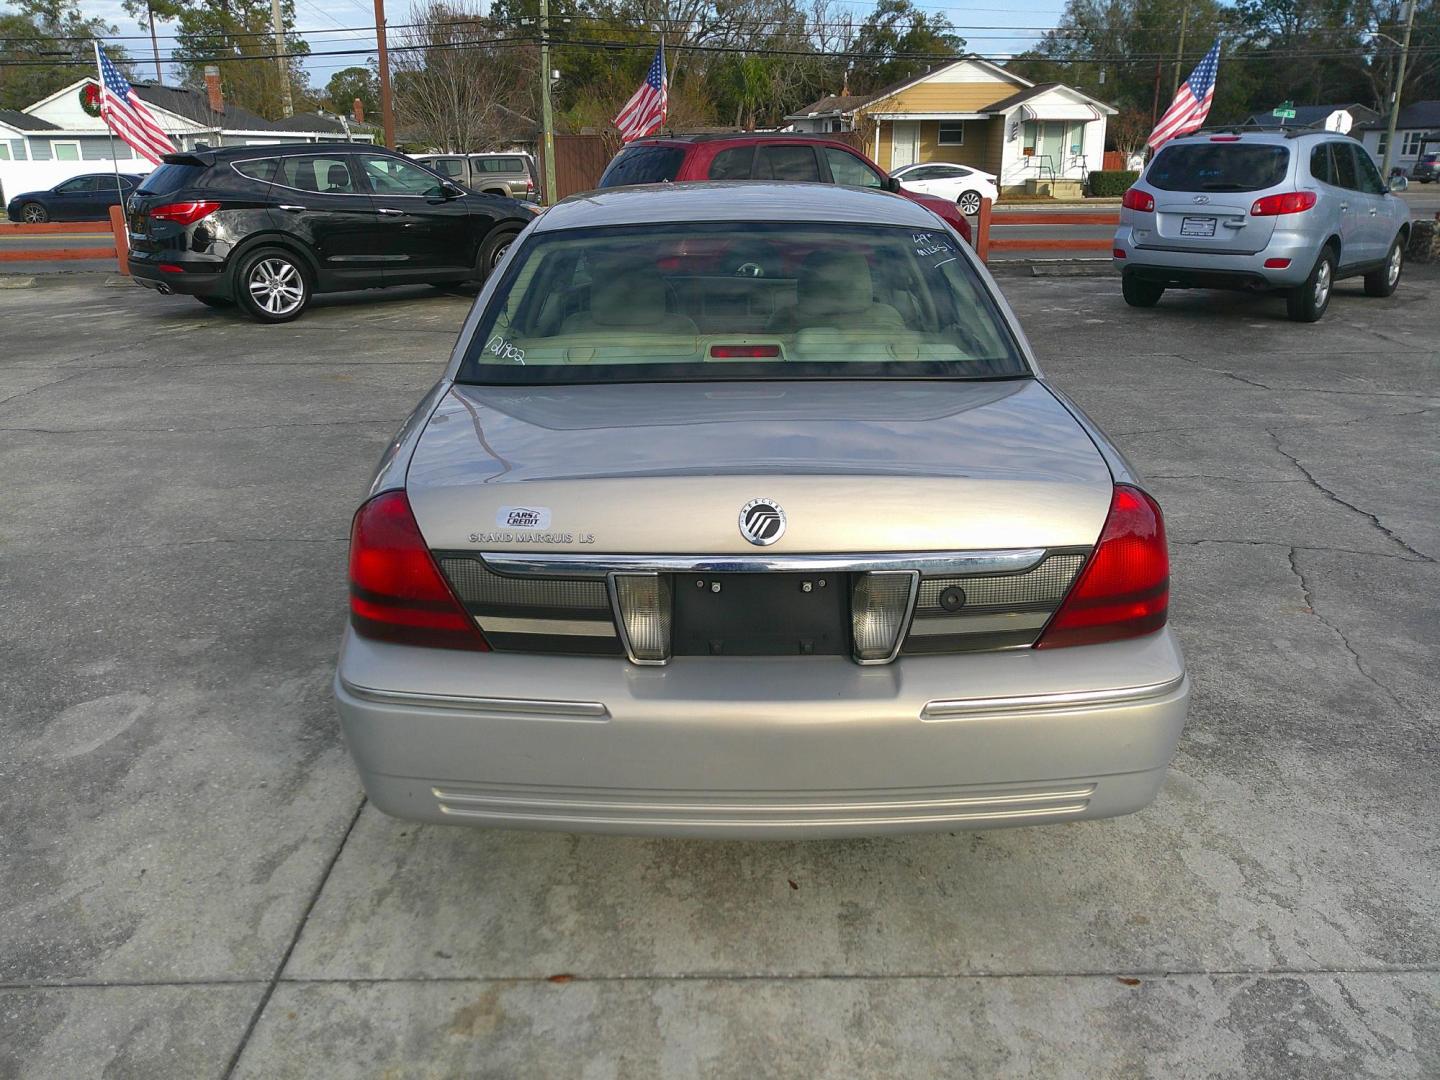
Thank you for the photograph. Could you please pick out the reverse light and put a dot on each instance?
(184, 213)
(881, 604)
(1291, 202)
(1135, 199)
(643, 604)
(396, 591)
(1124, 589)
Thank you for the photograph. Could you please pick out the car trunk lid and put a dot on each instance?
(856, 466)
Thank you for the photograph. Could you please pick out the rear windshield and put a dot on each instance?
(642, 165)
(168, 178)
(1218, 167)
(705, 302)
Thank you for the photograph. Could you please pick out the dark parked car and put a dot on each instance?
(1426, 169)
(81, 198)
(269, 227)
(787, 156)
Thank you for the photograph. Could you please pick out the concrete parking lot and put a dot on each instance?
(192, 886)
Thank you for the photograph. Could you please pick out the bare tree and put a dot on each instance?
(455, 80)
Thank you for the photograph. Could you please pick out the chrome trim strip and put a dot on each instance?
(538, 707)
(979, 624)
(588, 564)
(964, 709)
(566, 627)
(766, 823)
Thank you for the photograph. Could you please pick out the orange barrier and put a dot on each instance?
(122, 238)
(56, 254)
(987, 220)
(49, 228)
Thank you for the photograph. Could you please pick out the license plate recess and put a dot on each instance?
(762, 614)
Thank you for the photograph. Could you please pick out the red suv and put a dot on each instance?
(784, 156)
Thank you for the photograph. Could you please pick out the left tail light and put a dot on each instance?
(396, 591)
(184, 213)
(1124, 590)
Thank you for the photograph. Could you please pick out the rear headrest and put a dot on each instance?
(338, 176)
(833, 282)
(627, 295)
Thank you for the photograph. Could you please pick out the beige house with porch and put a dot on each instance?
(973, 112)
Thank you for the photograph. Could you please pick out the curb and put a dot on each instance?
(17, 281)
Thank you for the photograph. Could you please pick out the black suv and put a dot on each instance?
(268, 227)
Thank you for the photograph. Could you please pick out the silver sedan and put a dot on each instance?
(744, 511)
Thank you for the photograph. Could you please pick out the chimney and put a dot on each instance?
(358, 111)
(212, 88)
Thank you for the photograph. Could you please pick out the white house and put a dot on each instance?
(973, 112)
(1417, 130)
(63, 135)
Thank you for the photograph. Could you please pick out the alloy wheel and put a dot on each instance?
(499, 252)
(276, 286)
(1392, 269)
(1322, 283)
(33, 214)
(970, 203)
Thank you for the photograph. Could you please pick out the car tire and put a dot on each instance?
(273, 285)
(1308, 302)
(493, 250)
(1140, 293)
(1382, 282)
(969, 203)
(32, 213)
(218, 302)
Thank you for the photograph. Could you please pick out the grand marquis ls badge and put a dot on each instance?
(762, 522)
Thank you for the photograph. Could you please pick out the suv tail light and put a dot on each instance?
(1135, 199)
(1124, 590)
(1291, 202)
(396, 591)
(184, 213)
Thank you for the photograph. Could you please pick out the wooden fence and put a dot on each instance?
(984, 245)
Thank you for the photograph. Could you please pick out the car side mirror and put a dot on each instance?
(1399, 183)
(892, 185)
(449, 191)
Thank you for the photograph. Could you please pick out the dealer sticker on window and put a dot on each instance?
(1197, 226)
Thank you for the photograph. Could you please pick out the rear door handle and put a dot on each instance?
(390, 213)
(1344, 207)
(292, 209)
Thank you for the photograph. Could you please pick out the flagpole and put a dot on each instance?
(664, 81)
(114, 157)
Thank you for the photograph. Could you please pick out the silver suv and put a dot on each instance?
(1292, 211)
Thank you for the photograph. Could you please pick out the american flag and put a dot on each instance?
(645, 111)
(1192, 101)
(126, 115)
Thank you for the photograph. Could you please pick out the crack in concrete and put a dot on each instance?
(1374, 520)
(1297, 547)
(37, 389)
(1354, 656)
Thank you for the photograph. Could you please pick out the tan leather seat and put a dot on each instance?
(834, 290)
(630, 298)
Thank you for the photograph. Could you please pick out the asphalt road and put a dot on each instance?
(192, 885)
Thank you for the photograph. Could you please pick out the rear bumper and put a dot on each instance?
(1206, 270)
(196, 277)
(774, 748)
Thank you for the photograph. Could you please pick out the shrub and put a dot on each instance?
(1105, 182)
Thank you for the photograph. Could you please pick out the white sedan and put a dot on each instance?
(960, 184)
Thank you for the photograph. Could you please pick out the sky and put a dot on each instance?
(992, 30)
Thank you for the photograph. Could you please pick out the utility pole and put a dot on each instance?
(1395, 95)
(278, 24)
(547, 118)
(154, 45)
(387, 108)
(1180, 48)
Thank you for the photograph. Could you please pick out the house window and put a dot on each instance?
(1413, 142)
(952, 133)
(4, 151)
(66, 151)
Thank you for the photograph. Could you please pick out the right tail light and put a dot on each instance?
(1124, 589)
(1135, 199)
(1290, 202)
